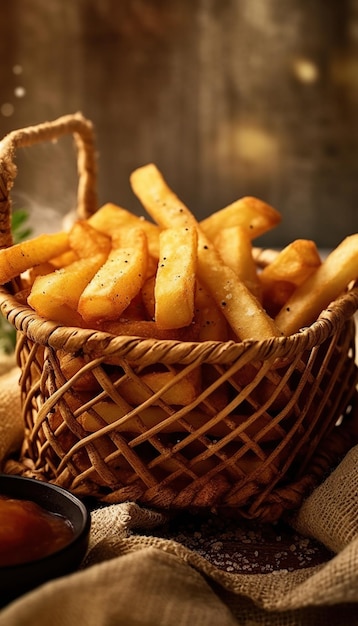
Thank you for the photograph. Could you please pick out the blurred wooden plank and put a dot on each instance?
(227, 98)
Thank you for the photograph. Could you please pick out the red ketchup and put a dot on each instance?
(29, 532)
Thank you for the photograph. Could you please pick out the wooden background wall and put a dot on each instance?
(227, 97)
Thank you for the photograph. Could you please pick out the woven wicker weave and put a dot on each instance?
(266, 421)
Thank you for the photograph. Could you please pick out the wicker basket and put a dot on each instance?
(266, 422)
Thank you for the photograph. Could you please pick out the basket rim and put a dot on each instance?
(102, 345)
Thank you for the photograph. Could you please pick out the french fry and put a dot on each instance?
(178, 392)
(240, 307)
(294, 263)
(234, 246)
(56, 295)
(86, 241)
(152, 265)
(148, 297)
(40, 270)
(148, 329)
(254, 215)
(64, 259)
(70, 365)
(175, 280)
(22, 256)
(112, 219)
(135, 311)
(212, 323)
(111, 413)
(326, 283)
(274, 298)
(181, 392)
(117, 281)
(123, 238)
(290, 268)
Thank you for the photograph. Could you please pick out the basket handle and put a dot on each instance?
(82, 130)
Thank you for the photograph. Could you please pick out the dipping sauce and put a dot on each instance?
(29, 532)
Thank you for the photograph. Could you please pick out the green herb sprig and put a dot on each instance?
(20, 231)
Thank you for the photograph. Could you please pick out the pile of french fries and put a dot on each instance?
(172, 277)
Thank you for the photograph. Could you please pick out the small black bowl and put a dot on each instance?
(15, 580)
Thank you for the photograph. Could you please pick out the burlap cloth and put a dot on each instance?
(134, 575)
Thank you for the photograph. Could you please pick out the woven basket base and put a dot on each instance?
(255, 439)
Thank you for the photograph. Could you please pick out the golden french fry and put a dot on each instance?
(148, 329)
(175, 280)
(238, 304)
(40, 270)
(152, 266)
(133, 392)
(290, 267)
(294, 263)
(111, 413)
(117, 281)
(136, 310)
(148, 297)
(123, 238)
(326, 283)
(179, 392)
(254, 215)
(70, 365)
(64, 259)
(112, 219)
(86, 241)
(65, 315)
(234, 246)
(212, 323)
(22, 256)
(56, 295)
(274, 298)
(240, 307)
